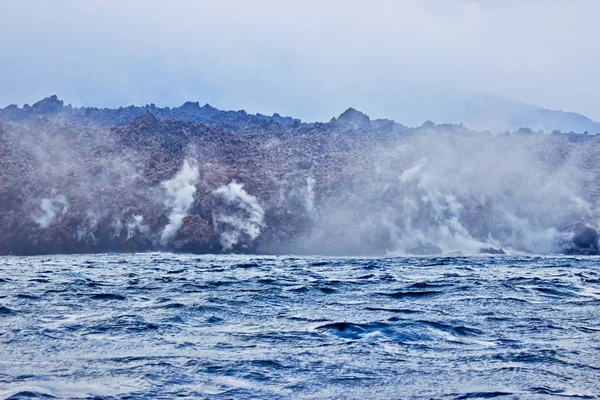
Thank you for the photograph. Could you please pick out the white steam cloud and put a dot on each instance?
(310, 198)
(179, 197)
(136, 226)
(242, 219)
(50, 209)
(87, 230)
(445, 191)
(116, 226)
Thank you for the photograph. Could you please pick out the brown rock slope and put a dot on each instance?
(70, 184)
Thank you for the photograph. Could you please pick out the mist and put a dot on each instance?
(179, 197)
(407, 60)
(441, 191)
(241, 217)
(353, 186)
(50, 209)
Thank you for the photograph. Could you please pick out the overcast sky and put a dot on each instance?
(310, 59)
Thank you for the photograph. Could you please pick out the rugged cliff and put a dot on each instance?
(198, 179)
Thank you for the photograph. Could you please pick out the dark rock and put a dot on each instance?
(146, 120)
(355, 117)
(189, 111)
(581, 239)
(584, 236)
(304, 164)
(424, 249)
(110, 165)
(491, 250)
(48, 105)
(189, 105)
(525, 131)
(196, 235)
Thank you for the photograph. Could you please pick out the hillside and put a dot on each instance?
(197, 179)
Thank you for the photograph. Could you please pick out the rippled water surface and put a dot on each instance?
(166, 326)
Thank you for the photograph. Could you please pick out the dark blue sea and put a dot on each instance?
(167, 326)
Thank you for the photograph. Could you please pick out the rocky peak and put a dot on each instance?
(355, 117)
(191, 105)
(428, 125)
(10, 112)
(48, 105)
(145, 120)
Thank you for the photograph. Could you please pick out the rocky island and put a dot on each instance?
(198, 179)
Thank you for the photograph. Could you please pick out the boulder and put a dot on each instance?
(195, 235)
(353, 117)
(424, 249)
(48, 105)
(580, 239)
(491, 250)
(584, 236)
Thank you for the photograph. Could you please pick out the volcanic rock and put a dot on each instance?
(582, 240)
(351, 186)
(424, 249)
(491, 250)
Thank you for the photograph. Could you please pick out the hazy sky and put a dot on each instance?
(310, 59)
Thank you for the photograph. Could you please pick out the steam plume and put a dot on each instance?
(243, 218)
(50, 209)
(179, 197)
(136, 226)
(310, 197)
(442, 191)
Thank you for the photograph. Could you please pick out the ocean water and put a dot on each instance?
(171, 326)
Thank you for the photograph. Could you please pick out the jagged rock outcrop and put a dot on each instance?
(189, 111)
(424, 249)
(354, 118)
(491, 250)
(581, 239)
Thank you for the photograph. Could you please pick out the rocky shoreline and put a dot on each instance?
(197, 179)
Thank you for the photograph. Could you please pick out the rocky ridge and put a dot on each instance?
(99, 180)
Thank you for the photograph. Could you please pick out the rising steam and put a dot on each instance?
(50, 209)
(444, 192)
(310, 198)
(86, 231)
(179, 197)
(136, 226)
(349, 187)
(241, 219)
